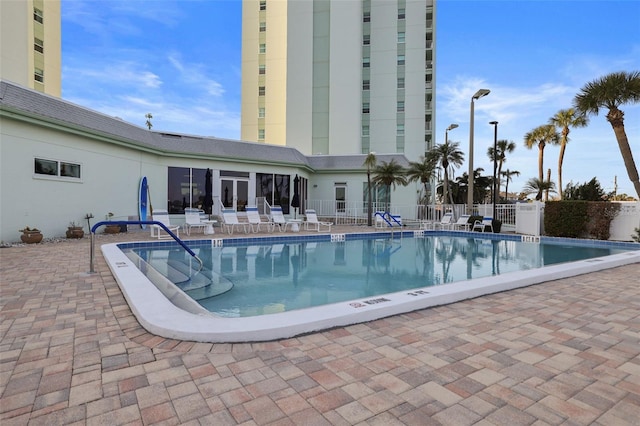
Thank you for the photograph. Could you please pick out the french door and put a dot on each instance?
(234, 193)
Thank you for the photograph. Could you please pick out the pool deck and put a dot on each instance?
(561, 352)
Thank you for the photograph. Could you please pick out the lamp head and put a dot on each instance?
(480, 93)
(452, 126)
(495, 123)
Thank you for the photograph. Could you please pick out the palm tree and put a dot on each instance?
(447, 154)
(610, 92)
(370, 162)
(503, 147)
(507, 174)
(422, 171)
(564, 119)
(538, 186)
(389, 174)
(541, 136)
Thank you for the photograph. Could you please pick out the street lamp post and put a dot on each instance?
(479, 94)
(495, 164)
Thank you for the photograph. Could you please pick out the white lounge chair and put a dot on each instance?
(443, 223)
(192, 219)
(481, 225)
(462, 224)
(162, 216)
(230, 221)
(312, 219)
(278, 219)
(254, 219)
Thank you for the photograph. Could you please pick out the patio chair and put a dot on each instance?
(278, 219)
(162, 216)
(482, 225)
(462, 224)
(312, 219)
(443, 223)
(192, 219)
(253, 216)
(230, 221)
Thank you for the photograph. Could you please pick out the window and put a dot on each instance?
(365, 130)
(427, 80)
(185, 189)
(400, 82)
(261, 91)
(401, 13)
(366, 39)
(263, 48)
(400, 59)
(38, 45)
(261, 112)
(366, 84)
(263, 27)
(366, 17)
(45, 167)
(400, 130)
(365, 107)
(38, 75)
(400, 106)
(401, 37)
(263, 4)
(37, 15)
(365, 62)
(262, 69)
(260, 134)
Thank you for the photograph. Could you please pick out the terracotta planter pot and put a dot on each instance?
(31, 237)
(75, 232)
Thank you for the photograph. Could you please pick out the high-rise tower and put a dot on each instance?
(339, 77)
(30, 44)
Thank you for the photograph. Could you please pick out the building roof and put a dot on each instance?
(57, 111)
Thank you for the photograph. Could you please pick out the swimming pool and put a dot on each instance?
(344, 282)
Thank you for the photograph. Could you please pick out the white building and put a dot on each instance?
(60, 161)
(339, 77)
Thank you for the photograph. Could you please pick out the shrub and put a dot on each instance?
(565, 218)
(579, 219)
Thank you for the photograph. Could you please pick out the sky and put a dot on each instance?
(180, 60)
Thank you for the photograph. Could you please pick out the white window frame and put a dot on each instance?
(58, 173)
(401, 36)
(261, 112)
(38, 15)
(38, 45)
(38, 75)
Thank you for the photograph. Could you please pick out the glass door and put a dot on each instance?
(234, 193)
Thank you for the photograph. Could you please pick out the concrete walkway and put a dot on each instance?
(563, 352)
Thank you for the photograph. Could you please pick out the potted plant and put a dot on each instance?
(30, 235)
(74, 230)
(111, 229)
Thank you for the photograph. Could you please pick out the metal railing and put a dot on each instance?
(136, 222)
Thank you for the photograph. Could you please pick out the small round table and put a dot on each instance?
(295, 224)
(209, 229)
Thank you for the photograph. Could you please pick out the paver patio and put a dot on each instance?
(562, 352)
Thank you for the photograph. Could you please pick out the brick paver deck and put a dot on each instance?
(562, 352)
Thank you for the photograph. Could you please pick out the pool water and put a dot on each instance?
(259, 279)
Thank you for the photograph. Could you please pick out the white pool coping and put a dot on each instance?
(161, 317)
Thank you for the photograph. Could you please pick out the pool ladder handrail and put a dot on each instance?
(137, 222)
(388, 217)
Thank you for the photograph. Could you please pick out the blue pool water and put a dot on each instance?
(250, 279)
